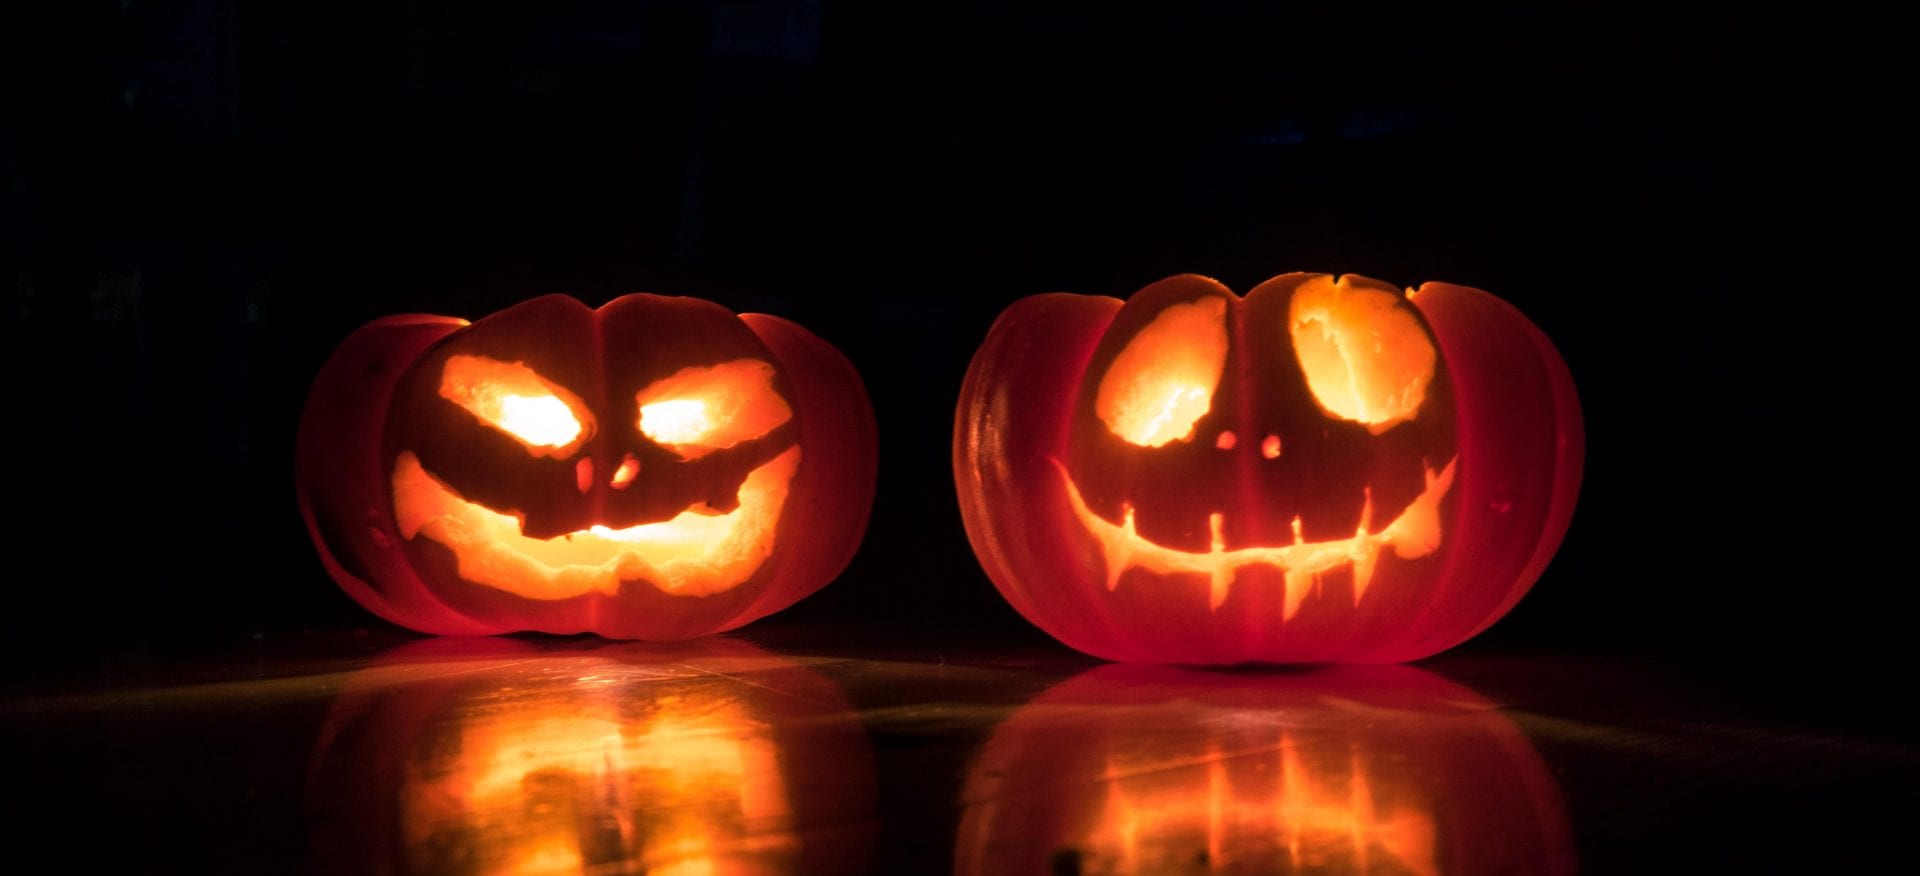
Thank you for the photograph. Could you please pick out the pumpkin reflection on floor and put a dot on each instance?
(1132, 769)
(495, 757)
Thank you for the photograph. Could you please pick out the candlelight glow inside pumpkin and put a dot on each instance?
(1163, 382)
(1365, 357)
(626, 470)
(702, 409)
(515, 399)
(694, 412)
(1366, 360)
(1413, 534)
(1325, 469)
(693, 554)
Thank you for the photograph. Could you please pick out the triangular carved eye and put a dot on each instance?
(1366, 358)
(516, 400)
(1163, 381)
(705, 408)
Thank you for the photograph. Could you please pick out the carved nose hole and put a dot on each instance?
(1270, 448)
(1226, 440)
(622, 476)
(583, 473)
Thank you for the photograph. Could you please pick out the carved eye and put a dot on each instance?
(516, 400)
(705, 408)
(1162, 383)
(1366, 358)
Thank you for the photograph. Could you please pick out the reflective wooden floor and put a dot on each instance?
(785, 750)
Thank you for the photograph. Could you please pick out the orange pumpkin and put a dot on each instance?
(1324, 470)
(658, 468)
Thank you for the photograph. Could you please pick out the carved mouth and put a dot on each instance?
(690, 555)
(1413, 534)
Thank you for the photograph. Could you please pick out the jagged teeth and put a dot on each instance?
(1414, 533)
(1298, 583)
(1363, 571)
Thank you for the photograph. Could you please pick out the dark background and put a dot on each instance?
(1709, 212)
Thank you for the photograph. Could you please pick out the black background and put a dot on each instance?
(1709, 212)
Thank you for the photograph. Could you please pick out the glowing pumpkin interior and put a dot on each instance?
(702, 409)
(543, 416)
(692, 413)
(1163, 381)
(1365, 359)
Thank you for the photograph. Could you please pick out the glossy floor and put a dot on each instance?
(781, 751)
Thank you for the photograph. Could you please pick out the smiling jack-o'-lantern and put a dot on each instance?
(1150, 769)
(658, 468)
(1324, 470)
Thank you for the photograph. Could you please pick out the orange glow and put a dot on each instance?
(705, 408)
(1415, 533)
(1316, 808)
(622, 476)
(1226, 440)
(1270, 447)
(1162, 383)
(516, 400)
(1366, 358)
(686, 782)
(679, 421)
(693, 554)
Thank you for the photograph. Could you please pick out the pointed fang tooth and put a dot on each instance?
(1221, 586)
(1222, 573)
(1363, 571)
(1298, 583)
(1365, 553)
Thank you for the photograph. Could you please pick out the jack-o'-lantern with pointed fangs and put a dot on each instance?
(657, 468)
(1324, 470)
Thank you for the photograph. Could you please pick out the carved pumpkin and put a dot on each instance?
(658, 468)
(490, 756)
(1323, 470)
(1140, 769)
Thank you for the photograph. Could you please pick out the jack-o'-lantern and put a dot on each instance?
(1324, 470)
(1142, 769)
(659, 468)
(490, 756)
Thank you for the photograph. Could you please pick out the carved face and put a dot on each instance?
(627, 470)
(548, 475)
(1324, 470)
(1292, 441)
